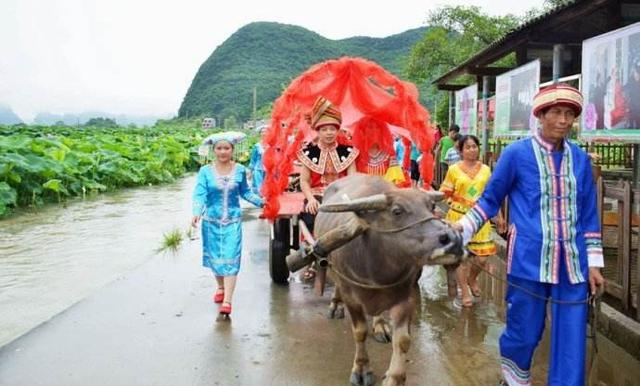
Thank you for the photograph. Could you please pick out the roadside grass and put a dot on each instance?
(171, 241)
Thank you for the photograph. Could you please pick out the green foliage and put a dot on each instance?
(264, 112)
(230, 123)
(51, 163)
(101, 122)
(269, 56)
(171, 241)
(456, 33)
(550, 4)
(7, 197)
(442, 110)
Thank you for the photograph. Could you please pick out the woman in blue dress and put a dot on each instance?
(216, 200)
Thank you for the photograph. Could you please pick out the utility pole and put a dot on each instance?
(485, 117)
(558, 51)
(452, 103)
(255, 96)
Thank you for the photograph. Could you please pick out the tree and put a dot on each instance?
(547, 6)
(230, 123)
(101, 122)
(550, 4)
(455, 34)
(264, 112)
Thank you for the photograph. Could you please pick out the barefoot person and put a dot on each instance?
(216, 200)
(464, 183)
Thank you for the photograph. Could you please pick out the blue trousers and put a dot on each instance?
(526, 317)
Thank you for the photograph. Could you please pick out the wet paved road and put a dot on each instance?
(155, 325)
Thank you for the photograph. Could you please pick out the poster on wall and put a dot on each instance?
(467, 109)
(514, 101)
(611, 86)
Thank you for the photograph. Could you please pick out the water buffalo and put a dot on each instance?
(391, 234)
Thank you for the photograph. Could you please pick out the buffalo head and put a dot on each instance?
(401, 222)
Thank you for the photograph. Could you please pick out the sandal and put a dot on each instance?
(218, 296)
(225, 308)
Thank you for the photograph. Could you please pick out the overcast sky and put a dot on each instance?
(140, 56)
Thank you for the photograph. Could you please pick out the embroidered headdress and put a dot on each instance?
(323, 113)
(233, 137)
(558, 94)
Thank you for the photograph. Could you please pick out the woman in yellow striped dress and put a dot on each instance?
(463, 185)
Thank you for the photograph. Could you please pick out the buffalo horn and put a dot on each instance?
(435, 195)
(374, 202)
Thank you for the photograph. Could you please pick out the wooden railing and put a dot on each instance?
(622, 283)
(611, 155)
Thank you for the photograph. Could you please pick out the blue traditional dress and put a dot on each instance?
(257, 168)
(217, 199)
(554, 237)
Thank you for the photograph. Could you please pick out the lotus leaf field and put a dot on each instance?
(41, 164)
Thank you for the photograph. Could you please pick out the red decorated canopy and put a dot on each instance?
(360, 88)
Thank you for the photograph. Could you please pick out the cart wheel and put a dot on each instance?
(279, 248)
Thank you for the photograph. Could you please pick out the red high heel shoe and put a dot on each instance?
(225, 308)
(218, 297)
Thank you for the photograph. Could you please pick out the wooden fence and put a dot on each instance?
(621, 244)
(609, 156)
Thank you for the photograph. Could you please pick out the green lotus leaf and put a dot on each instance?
(8, 195)
(55, 185)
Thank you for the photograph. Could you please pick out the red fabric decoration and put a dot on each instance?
(366, 132)
(358, 88)
(406, 156)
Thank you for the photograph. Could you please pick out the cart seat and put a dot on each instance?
(291, 203)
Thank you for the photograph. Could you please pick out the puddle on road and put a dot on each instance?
(279, 334)
(56, 255)
(450, 345)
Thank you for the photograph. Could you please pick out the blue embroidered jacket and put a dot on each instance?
(552, 210)
(217, 197)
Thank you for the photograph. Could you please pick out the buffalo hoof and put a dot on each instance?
(382, 332)
(368, 379)
(336, 312)
(382, 337)
(390, 381)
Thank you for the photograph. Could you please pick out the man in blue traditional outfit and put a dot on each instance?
(555, 247)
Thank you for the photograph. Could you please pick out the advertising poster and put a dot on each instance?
(514, 101)
(467, 109)
(611, 86)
